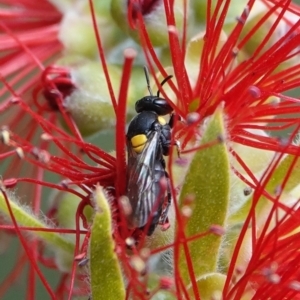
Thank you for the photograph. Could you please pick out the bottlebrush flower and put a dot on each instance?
(235, 208)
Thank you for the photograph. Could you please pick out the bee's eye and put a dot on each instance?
(153, 103)
(145, 104)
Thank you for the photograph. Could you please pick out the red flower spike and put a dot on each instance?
(42, 160)
(144, 7)
(102, 57)
(57, 85)
(241, 86)
(129, 56)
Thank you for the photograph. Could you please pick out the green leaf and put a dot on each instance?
(163, 295)
(211, 286)
(276, 181)
(208, 179)
(106, 276)
(25, 217)
(193, 56)
(264, 206)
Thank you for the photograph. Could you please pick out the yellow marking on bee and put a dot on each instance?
(162, 120)
(138, 142)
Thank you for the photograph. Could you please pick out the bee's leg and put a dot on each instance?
(166, 138)
(163, 163)
(156, 126)
(169, 195)
(177, 144)
(166, 145)
(173, 118)
(164, 215)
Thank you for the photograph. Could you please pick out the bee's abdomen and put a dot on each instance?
(138, 142)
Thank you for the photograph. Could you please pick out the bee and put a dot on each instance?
(148, 141)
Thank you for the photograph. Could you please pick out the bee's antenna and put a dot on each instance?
(163, 82)
(147, 79)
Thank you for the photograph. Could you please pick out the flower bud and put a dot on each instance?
(66, 207)
(154, 18)
(77, 32)
(262, 32)
(255, 159)
(77, 35)
(90, 103)
(211, 286)
(235, 10)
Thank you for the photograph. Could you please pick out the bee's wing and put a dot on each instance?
(140, 180)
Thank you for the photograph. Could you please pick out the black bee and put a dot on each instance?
(148, 140)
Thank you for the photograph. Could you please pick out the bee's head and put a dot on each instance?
(154, 103)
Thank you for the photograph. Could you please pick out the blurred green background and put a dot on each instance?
(8, 258)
